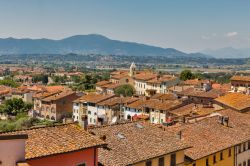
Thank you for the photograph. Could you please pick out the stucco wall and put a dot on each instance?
(67, 159)
(12, 151)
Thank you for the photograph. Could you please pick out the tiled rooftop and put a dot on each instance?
(195, 109)
(58, 96)
(118, 100)
(238, 101)
(94, 98)
(155, 104)
(240, 78)
(209, 135)
(134, 142)
(47, 141)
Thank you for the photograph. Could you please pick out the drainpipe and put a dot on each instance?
(94, 156)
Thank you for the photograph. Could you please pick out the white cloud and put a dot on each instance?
(205, 37)
(208, 36)
(232, 34)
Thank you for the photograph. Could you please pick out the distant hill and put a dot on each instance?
(228, 52)
(87, 44)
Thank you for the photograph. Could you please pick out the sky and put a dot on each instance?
(187, 25)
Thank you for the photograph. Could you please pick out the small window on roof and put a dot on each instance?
(120, 136)
(139, 126)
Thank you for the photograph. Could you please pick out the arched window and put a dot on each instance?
(53, 118)
(47, 117)
(128, 117)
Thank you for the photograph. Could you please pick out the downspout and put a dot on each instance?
(94, 156)
(235, 155)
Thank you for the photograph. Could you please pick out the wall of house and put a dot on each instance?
(155, 161)
(227, 160)
(132, 112)
(76, 112)
(140, 87)
(157, 117)
(92, 114)
(12, 151)
(68, 159)
(243, 153)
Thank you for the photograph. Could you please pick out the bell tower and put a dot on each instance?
(132, 70)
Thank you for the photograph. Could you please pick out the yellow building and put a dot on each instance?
(222, 158)
(213, 139)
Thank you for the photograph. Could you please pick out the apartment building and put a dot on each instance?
(87, 105)
(54, 106)
(214, 140)
(240, 84)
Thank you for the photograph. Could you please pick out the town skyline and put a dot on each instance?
(187, 26)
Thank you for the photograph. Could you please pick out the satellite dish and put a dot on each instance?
(114, 119)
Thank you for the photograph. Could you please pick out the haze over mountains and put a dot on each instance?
(87, 44)
(228, 52)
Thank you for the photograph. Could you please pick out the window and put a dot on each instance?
(248, 144)
(221, 155)
(244, 163)
(239, 165)
(244, 147)
(239, 149)
(214, 158)
(89, 112)
(149, 163)
(248, 162)
(229, 152)
(207, 162)
(194, 164)
(161, 161)
(173, 160)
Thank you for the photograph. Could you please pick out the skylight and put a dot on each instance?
(120, 136)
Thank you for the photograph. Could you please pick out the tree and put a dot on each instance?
(15, 106)
(125, 90)
(40, 78)
(186, 75)
(9, 82)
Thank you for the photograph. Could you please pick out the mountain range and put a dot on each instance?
(228, 52)
(88, 44)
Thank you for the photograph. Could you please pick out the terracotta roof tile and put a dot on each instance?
(240, 78)
(129, 144)
(238, 101)
(94, 98)
(47, 141)
(209, 136)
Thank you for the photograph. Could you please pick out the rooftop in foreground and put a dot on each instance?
(130, 143)
(209, 136)
(46, 141)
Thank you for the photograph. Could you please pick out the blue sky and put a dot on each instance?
(187, 25)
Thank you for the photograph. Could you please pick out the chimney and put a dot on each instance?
(179, 134)
(221, 119)
(103, 137)
(226, 120)
(85, 122)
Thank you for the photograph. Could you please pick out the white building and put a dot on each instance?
(87, 105)
(243, 154)
(147, 83)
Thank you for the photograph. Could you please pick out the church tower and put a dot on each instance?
(132, 70)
